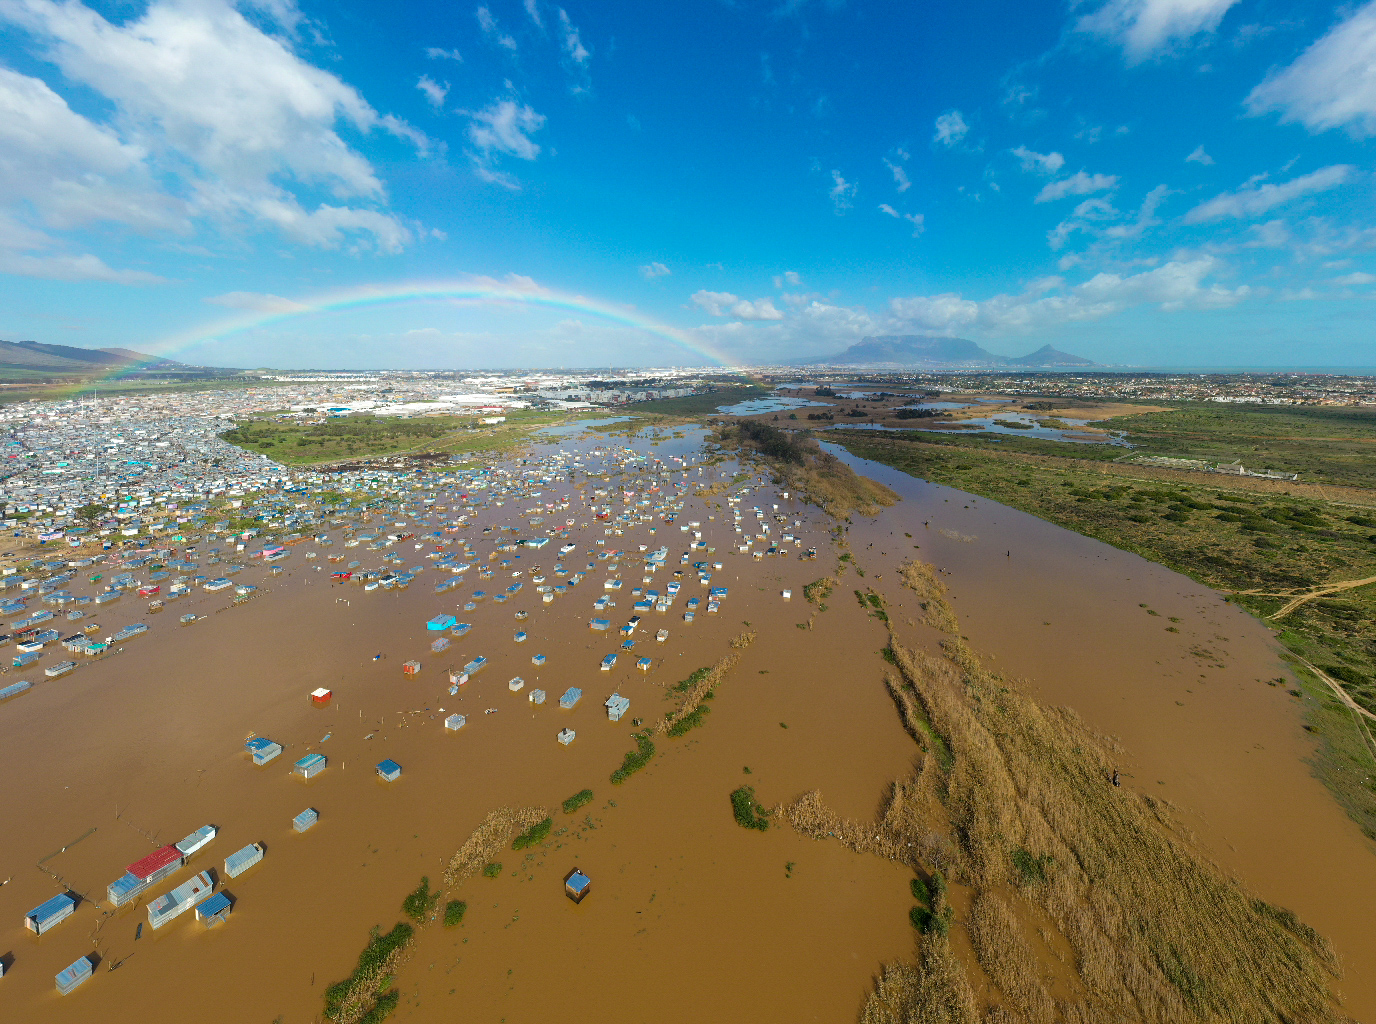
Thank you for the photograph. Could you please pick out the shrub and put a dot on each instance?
(689, 721)
(370, 961)
(1031, 870)
(453, 913)
(533, 836)
(382, 1009)
(492, 870)
(419, 903)
(749, 814)
(634, 759)
(576, 801)
(920, 892)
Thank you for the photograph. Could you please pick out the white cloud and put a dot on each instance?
(842, 192)
(900, 176)
(82, 267)
(1332, 84)
(534, 11)
(950, 128)
(1355, 278)
(257, 302)
(503, 126)
(492, 30)
(573, 46)
(211, 118)
(1177, 285)
(1199, 157)
(1145, 28)
(789, 277)
(915, 219)
(1078, 184)
(1042, 163)
(726, 304)
(1253, 200)
(653, 270)
(435, 53)
(434, 92)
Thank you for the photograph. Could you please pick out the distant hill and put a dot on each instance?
(932, 351)
(1048, 356)
(37, 356)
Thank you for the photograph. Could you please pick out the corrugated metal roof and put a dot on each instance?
(155, 861)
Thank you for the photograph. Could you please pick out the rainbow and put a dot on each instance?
(514, 292)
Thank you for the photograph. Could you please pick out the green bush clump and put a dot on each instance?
(492, 870)
(687, 684)
(748, 812)
(689, 721)
(382, 1009)
(420, 902)
(577, 800)
(370, 961)
(1031, 870)
(533, 836)
(634, 759)
(453, 913)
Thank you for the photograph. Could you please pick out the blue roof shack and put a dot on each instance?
(214, 910)
(262, 749)
(389, 770)
(46, 915)
(440, 622)
(311, 764)
(576, 885)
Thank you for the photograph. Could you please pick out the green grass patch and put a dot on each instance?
(579, 799)
(419, 903)
(492, 869)
(747, 811)
(453, 913)
(533, 836)
(634, 759)
(689, 722)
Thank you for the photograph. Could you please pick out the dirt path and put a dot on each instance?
(1309, 595)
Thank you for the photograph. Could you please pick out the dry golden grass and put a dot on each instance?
(1014, 801)
(923, 580)
(838, 489)
(489, 839)
(705, 685)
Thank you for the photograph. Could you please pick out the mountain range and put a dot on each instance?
(37, 357)
(931, 351)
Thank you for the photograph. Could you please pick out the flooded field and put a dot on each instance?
(690, 917)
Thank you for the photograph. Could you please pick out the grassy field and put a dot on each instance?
(369, 437)
(23, 387)
(1263, 549)
(693, 406)
(1324, 444)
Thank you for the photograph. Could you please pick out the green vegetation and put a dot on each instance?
(374, 964)
(421, 902)
(1265, 547)
(819, 590)
(1031, 870)
(492, 869)
(693, 406)
(533, 836)
(579, 799)
(634, 759)
(683, 686)
(749, 814)
(453, 913)
(292, 442)
(689, 721)
(382, 1009)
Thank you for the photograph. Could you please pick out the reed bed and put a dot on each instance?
(489, 839)
(1014, 801)
(704, 684)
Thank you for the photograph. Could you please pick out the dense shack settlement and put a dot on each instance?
(620, 689)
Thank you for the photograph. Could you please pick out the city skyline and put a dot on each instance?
(525, 183)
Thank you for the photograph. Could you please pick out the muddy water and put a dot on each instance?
(690, 913)
(690, 918)
(1192, 710)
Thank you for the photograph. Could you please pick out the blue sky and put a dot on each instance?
(1150, 182)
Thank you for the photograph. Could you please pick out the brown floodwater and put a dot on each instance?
(1197, 722)
(690, 917)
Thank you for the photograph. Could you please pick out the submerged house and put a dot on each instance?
(389, 770)
(241, 860)
(171, 905)
(70, 977)
(570, 697)
(49, 913)
(262, 749)
(616, 706)
(305, 819)
(576, 885)
(311, 764)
